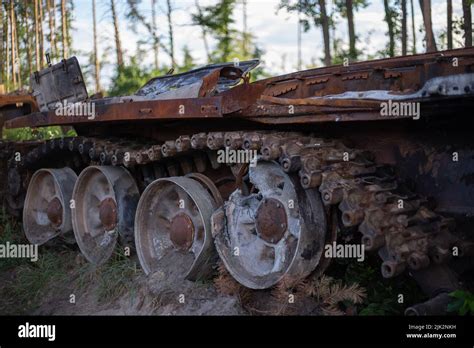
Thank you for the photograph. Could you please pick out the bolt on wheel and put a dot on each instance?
(275, 232)
(105, 200)
(173, 219)
(46, 213)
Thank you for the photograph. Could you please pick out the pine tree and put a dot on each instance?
(118, 44)
(413, 31)
(404, 27)
(218, 21)
(314, 12)
(449, 12)
(169, 14)
(64, 29)
(389, 18)
(430, 39)
(96, 51)
(467, 22)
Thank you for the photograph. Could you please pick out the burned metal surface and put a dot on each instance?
(14, 99)
(47, 212)
(62, 82)
(228, 75)
(105, 199)
(129, 111)
(268, 235)
(173, 215)
(338, 93)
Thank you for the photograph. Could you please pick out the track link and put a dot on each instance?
(392, 220)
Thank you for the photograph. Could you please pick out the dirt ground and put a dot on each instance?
(158, 294)
(62, 282)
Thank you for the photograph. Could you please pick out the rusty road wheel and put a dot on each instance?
(46, 212)
(277, 231)
(173, 216)
(105, 200)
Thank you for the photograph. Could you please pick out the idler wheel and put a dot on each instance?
(277, 231)
(46, 212)
(105, 200)
(173, 221)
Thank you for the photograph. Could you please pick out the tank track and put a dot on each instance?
(392, 220)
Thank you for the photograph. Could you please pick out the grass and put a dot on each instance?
(113, 279)
(24, 284)
(10, 231)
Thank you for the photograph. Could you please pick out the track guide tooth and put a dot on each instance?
(310, 179)
(234, 140)
(154, 153)
(183, 143)
(215, 140)
(168, 149)
(199, 141)
(253, 141)
(141, 157)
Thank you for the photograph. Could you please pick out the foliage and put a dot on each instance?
(26, 133)
(463, 302)
(129, 78)
(217, 20)
(188, 60)
(10, 231)
(309, 9)
(382, 294)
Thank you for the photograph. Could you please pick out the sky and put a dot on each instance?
(275, 31)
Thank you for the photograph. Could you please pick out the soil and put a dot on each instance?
(157, 294)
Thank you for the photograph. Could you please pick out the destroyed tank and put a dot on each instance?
(262, 175)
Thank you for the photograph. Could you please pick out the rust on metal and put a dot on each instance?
(108, 213)
(271, 220)
(317, 95)
(13, 99)
(55, 212)
(155, 110)
(182, 231)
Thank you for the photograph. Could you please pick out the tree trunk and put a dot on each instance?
(40, 11)
(64, 29)
(204, 34)
(154, 35)
(118, 44)
(17, 53)
(352, 37)
(413, 31)
(404, 27)
(13, 43)
(325, 26)
(96, 52)
(300, 60)
(244, 29)
(430, 39)
(2, 51)
(29, 54)
(170, 31)
(466, 10)
(391, 34)
(7, 51)
(50, 10)
(37, 49)
(449, 29)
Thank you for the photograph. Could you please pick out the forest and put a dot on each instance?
(37, 31)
